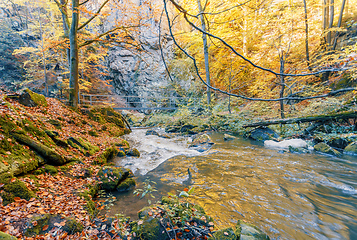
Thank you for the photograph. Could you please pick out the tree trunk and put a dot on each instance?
(65, 27)
(331, 13)
(339, 24)
(73, 40)
(43, 55)
(205, 49)
(282, 83)
(307, 37)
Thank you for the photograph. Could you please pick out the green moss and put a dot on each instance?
(55, 123)
(14, 189)
(224, 234)
(84, 146)
(149, 230)
(72, 226)
(107, 155)
(5, 236)
(36, 229)
(93, 133)
(121, 153)
(39, 171)
(51, 169)
(38, 99)
(126, 185)
(111, 176)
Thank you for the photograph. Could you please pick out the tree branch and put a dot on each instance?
(332, 93)
(87, 42)
(83, 2)
(246, 59)
(94, 16)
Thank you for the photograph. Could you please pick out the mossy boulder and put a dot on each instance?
(36, 225)
(262, 134)
(13, 188)
(73, 226)
(5, 236)
(126, 185)
(201, 143)
(246, 231)
(133, 152)
(224, 234)
(324, 148)
(106, 156)
(84, 146)
(351, 149)
(93, 133)
(150, 229)
(32, 99)
(111, 176)
(51, 169)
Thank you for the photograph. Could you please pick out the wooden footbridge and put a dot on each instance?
(139, 103)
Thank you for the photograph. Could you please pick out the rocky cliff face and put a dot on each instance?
(141, 73)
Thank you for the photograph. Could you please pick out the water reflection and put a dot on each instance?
(289, 196)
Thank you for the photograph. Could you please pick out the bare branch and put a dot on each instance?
(83, 2)
(104, 34)
(94, 16)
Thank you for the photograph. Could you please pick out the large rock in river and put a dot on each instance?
(262, 134)
(115, 178)
(285, 144)
(351, 149)
(247, 231)
(201, 143)
(324, 148)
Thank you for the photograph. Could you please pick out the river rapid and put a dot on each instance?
(287, 195)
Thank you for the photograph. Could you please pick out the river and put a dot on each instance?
(287, 195)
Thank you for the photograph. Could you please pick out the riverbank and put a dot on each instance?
(56, 163)
(331, 136)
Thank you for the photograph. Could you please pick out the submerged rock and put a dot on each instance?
(115, 178)
(151, 132)
(324, 148)
(247, 231)
(201, 143)
(228, 137)
(262, 134)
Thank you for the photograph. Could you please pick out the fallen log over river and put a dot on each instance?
(318, 118)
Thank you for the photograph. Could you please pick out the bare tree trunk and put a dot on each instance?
(65, 28)
(325, 17)
(331, 13)
(339, 24)
(73, 40)
(282, 83)
(205, 49)
(307, 37)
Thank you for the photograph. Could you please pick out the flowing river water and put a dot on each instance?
(287, 195)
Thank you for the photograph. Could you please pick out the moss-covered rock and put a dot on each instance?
(201, 143)
(111, 177)
(93, 133)
(35, 225)
(84, 146)
(150, 229)
(324, 148)
(224, 234)
(73, 226)
(126, 185)
(262, 134)
(133, 152)
(351, 149)
(246, 231)
(106, 156)
(51, 169)
(5, 236)
(31, 99)
(13, 188)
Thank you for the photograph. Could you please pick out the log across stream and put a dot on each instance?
(289, 196)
